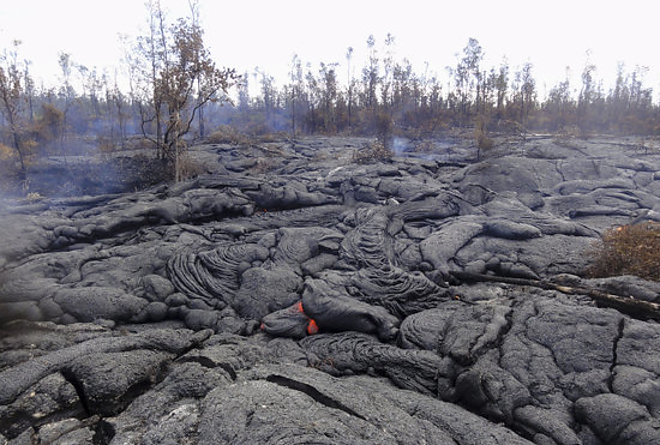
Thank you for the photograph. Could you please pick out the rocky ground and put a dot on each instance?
(294, 296)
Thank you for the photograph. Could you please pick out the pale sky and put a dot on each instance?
(243, 34)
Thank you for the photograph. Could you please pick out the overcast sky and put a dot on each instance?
(244, 34)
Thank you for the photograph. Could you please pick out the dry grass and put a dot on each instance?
(189, 167)
(264, 165)
(228, 135)
(482, 141)
(628, 250)
(373, 152)
(272, 137)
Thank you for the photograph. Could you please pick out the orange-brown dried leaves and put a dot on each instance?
(628, 250)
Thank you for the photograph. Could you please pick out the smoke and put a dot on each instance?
(399, 146)
(446, 150)
(90, 172)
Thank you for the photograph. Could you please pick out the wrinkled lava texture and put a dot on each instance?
(293, 296)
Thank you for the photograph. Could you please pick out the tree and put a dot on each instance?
(388, 68)
(501, 88)
(13, 100)
(29, 88)
(116, 106)
(244, 93)
(295, 90)
(587, 95)
(468, 79)
(268, 93)
(640, 97)
(559, 105)
(195, 22)
(370, 75)
(328, 96)
(527, 93)
(313, 99)
(176, 77)
(406, 94)
(67, 92)
(389, 91)
(349, 79)
(630, 104)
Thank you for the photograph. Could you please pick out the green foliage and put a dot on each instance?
(628, 250)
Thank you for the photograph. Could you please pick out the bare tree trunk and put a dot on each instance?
(177, 165)
(122, 122)
(177, 154)
(21, 158)
(17, 143)
(160, 146)
(293, 114)
(200, 120)
(627, 305)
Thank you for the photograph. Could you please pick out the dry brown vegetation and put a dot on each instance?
(225, 134)
(373, 152)
(628, 250)
(189, 167)
(482, 141)
(264, 165)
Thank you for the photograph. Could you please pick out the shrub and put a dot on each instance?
(189, 167)
(481, 140)
(373, 152)
(228, 135)
(49, 125)
(628, 250)
(272, 137)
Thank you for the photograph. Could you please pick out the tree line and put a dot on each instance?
(175, 92)
(388, 92)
